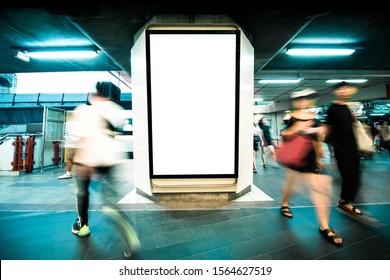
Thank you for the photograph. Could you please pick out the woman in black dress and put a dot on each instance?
(268, 141)
(303, 121)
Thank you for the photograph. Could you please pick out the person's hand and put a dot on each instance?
(319, 163)
(354, 117)
(320, 131)
(301, 126)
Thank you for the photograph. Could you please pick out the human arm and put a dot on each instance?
(298, 127)
(318, 148)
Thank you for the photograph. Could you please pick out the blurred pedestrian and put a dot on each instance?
(268, 139)
(256, 144)
(69, 146)
(304, 122)
(339, 122)
(99, 153)
(385, 131)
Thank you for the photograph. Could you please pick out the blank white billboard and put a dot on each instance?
(192, 101)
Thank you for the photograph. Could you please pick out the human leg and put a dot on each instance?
(330, 149)
(385, 144)
(254, 162)
(263, 156)
(287, 190)
(111, 182)
(126, 228)
(68, 173)
(320, 187)
(349, 167)
(271, 149)
(69, 154)
(83, 179)
(69, 166)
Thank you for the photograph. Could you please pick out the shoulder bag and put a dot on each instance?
(364, 142)
(293, 152)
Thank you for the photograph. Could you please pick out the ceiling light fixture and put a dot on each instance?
(319, 51)
(352, 81)
(62, 53)
(22, 55)
(281, 81)
(377, 114)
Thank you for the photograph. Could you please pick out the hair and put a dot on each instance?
(261, 121)
(99, 89)
(103, 90)
(342, 84)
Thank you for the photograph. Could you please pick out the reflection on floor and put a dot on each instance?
(37, 210)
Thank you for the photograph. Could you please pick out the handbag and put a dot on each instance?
(364, 142)
(293, 152)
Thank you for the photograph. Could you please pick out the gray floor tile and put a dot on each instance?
(37, 211)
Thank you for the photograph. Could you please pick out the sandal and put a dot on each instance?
(346, 206)
(285, 210)
(327, 234)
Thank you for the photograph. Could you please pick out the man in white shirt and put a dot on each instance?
(99, 152)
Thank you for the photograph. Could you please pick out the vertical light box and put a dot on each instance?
(193, 103)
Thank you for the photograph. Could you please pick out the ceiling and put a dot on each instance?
(111, 27)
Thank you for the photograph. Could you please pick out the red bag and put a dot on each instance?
(293, 152)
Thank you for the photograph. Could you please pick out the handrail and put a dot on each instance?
(2, 138)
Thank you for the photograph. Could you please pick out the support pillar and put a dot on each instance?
(192, 106)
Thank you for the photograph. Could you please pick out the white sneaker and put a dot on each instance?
(67, 175)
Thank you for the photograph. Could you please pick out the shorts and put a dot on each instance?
(268, 142)
(69, 154)
(256, 144)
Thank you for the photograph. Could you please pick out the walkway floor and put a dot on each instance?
(37, 210)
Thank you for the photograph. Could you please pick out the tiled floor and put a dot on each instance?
(37, 210)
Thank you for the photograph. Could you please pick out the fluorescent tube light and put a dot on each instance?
(281, 81)
(352, 81)
(59, 54)
(22, 56)
(319, 51)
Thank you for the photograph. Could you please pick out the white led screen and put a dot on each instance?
(193, 110)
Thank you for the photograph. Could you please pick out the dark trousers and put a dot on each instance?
(385, 144)
(83, 181)
(348, 163)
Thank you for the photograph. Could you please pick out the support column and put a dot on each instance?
(193, 107)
